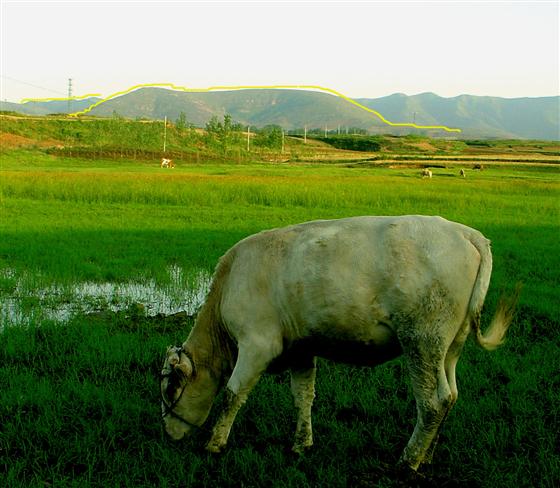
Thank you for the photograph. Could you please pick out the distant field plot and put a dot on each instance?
(92, 250)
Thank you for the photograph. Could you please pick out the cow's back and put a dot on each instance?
(343, 278)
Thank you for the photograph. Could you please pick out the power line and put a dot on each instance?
(31, 84)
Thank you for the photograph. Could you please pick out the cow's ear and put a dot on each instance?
(185, 365)
(173, 356)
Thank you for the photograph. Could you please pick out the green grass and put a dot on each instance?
(99, 133)
(79, 401)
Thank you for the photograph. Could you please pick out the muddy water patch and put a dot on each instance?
(23, 303)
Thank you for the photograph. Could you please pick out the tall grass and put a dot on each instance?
(379, 189)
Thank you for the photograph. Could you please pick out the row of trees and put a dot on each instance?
(228, 133)
(223, 135)
(320, 132)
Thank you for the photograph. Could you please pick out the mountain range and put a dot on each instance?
(476, 116)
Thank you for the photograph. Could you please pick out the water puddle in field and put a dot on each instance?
(22, 305)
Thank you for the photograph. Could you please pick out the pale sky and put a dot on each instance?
(361, 49)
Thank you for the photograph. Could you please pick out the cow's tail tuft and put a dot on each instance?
(494, 336)
(496, 332)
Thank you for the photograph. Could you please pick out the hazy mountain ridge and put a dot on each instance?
(46, 108)
(531, 118)
(481, 117)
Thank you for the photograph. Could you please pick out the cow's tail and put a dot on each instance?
(495, 334)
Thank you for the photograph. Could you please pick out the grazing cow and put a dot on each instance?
(426, 173)
(167, 163)
(462, 173)
(478, 166)
(361, 290)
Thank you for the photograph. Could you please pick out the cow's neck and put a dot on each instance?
(211, 346)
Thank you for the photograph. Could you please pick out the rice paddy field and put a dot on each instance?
(103, 263)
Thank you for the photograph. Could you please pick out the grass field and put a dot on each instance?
(79, 398)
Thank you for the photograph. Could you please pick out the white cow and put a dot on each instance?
(426, 173)
(167, 163)
(360, 290)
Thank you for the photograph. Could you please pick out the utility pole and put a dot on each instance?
(414, 118)
(325, 130)
(305, 134)
(248, 127)
(282, 141)
(69, 94)
(338, 130)
(164, 134)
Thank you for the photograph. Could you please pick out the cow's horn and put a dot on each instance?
(185, 366)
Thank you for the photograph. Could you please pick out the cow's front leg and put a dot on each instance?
(252, 361)
(303, 390)
(221, 430)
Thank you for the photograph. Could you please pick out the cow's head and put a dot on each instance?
(187, 392)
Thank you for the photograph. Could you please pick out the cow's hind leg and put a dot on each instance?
(433, 398)
(303, 390)
(252, 360)
(450, 364)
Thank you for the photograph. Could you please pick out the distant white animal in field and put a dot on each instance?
(361, 290)
(426, 173)
(462, 173)
(167, 163)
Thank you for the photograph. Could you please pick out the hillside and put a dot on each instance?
(478, 117)
(527, 118)
(46, 108)
(288, 108)
(121, 139)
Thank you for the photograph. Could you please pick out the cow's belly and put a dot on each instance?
(382, 346)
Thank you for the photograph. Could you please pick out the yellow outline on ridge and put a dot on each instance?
(243, 87)
(62, 99)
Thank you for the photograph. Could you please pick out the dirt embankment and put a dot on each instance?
(12, 141)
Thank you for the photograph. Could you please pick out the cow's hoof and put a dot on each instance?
(301, 448)
(214, 447)
(406, 473)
